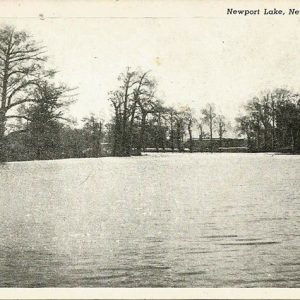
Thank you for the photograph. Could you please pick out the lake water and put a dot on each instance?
(161, 220)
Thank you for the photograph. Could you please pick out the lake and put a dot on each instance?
(160, 220)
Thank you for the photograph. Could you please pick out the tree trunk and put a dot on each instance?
(156, 145)
(211, 134)
(265, 146)
(190, 137)
(201, 134)
(172, 141)
(249, 144)
(257, 139)
(2, 132)
(178, 136)
(3, 110)
(163, 141)
(117, 136)
(221, 140)
(124, 144)
(114, 149)
(99, 135)
(142, 133)
(130, 133)
(172, 135)
(292, 140)
(158, 135)
(273, 128)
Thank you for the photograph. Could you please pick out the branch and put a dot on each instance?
(35, 56)
(19, 88)
(21, 102)
(62, 118)
(24, 72)
(32, 50)
(19, 117)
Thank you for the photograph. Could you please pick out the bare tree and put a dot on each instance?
(209, 118)
(200, 126)
(181, 123)
(160, 118)
(128, 81)
(189, 121)
(131, 101)
(124, 109)
(21, 69)
(171, 113)
(144, 97)
(116, 100)
(222, 128)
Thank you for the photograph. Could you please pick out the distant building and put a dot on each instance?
(226, 145)
(104, 150)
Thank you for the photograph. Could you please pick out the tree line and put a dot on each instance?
(141, 120)
(33, 122)
(272, 121)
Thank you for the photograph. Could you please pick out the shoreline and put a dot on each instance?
(146, 153)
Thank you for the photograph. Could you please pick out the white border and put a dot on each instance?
(150, 293)
(165, 8)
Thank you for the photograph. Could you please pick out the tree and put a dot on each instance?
(209, 116)
(171, 113)
(244, 128)
(93, 131)
(179, 129)
(125, 109)
(222, 127)
(200, 126)
(132, 102)
(116, 124)
(189, 122)
(73, 141)
(43, 121)
(160, 118)
(21, 69)
(144, 97)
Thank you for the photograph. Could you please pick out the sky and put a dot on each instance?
(195, 51)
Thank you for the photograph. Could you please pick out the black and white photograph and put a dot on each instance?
(149, 144)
